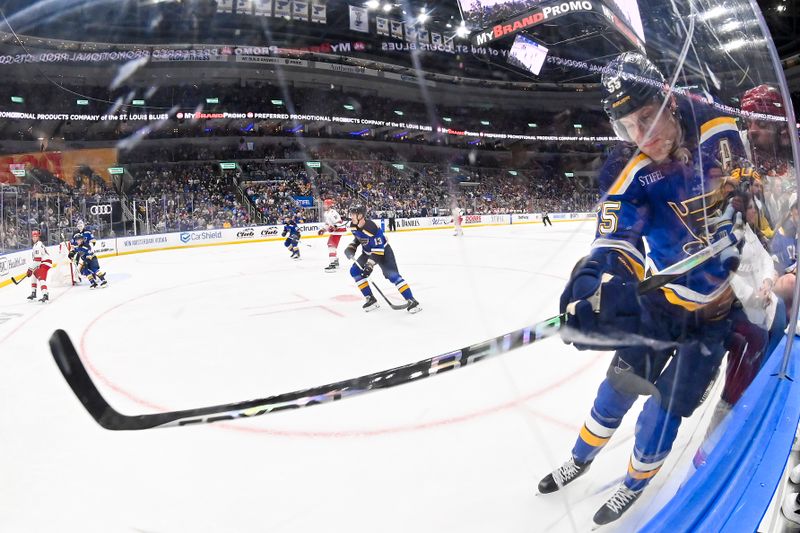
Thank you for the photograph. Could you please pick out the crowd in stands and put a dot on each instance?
(192, 196)
(187, 197)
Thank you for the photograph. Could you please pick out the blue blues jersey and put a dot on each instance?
(88, 238)
(654, 214)
(783, 248)
(371, 238)
(84, 252)
(292, 228)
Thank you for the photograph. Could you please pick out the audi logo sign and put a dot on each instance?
(100, 209)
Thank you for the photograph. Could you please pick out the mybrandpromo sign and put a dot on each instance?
(544, 12)
(199, 236)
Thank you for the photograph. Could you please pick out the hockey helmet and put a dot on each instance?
(35, 234)
(78, 236)
(358, 209)
(80, 225)
(328, 203)
(629, 82)
(763, 99)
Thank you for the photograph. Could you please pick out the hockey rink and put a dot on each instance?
(177, 329)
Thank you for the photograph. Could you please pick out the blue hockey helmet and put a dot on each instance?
(358, 209)
(629, 82)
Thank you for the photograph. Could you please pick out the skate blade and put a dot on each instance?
(414, 311)
(372, 308)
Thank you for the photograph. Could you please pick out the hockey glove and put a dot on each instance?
(29, 273)
(367, 270)
(350, 251)
(729, 220)
(71, 254)
(601, 303)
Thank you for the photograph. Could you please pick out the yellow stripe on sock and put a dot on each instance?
(591, 439)
(638, 474)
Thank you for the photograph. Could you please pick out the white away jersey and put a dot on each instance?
(40, 255)
(333, 221)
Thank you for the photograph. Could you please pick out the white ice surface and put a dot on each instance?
(187, 328)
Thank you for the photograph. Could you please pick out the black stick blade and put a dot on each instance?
(396, 307)
(71, 366)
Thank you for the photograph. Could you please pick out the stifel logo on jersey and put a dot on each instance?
(532, 18)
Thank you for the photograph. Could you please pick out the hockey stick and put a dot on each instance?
(681, 268)
(17, 282)
(70, 365)
(396, 307)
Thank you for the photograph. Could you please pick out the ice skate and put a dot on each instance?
(563, 475)
(45, 298)
(413, 306)
(370, 304)
(616, 506)
(333, 267)
(32, 297)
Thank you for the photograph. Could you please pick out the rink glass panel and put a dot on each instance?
(721, 48)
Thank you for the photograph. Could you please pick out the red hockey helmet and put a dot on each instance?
(763, 99)
(328, 203)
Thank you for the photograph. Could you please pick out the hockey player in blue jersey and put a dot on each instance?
(88, 237)
(291, 230)
(87, 261)
(375, 250)
(660, 205)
